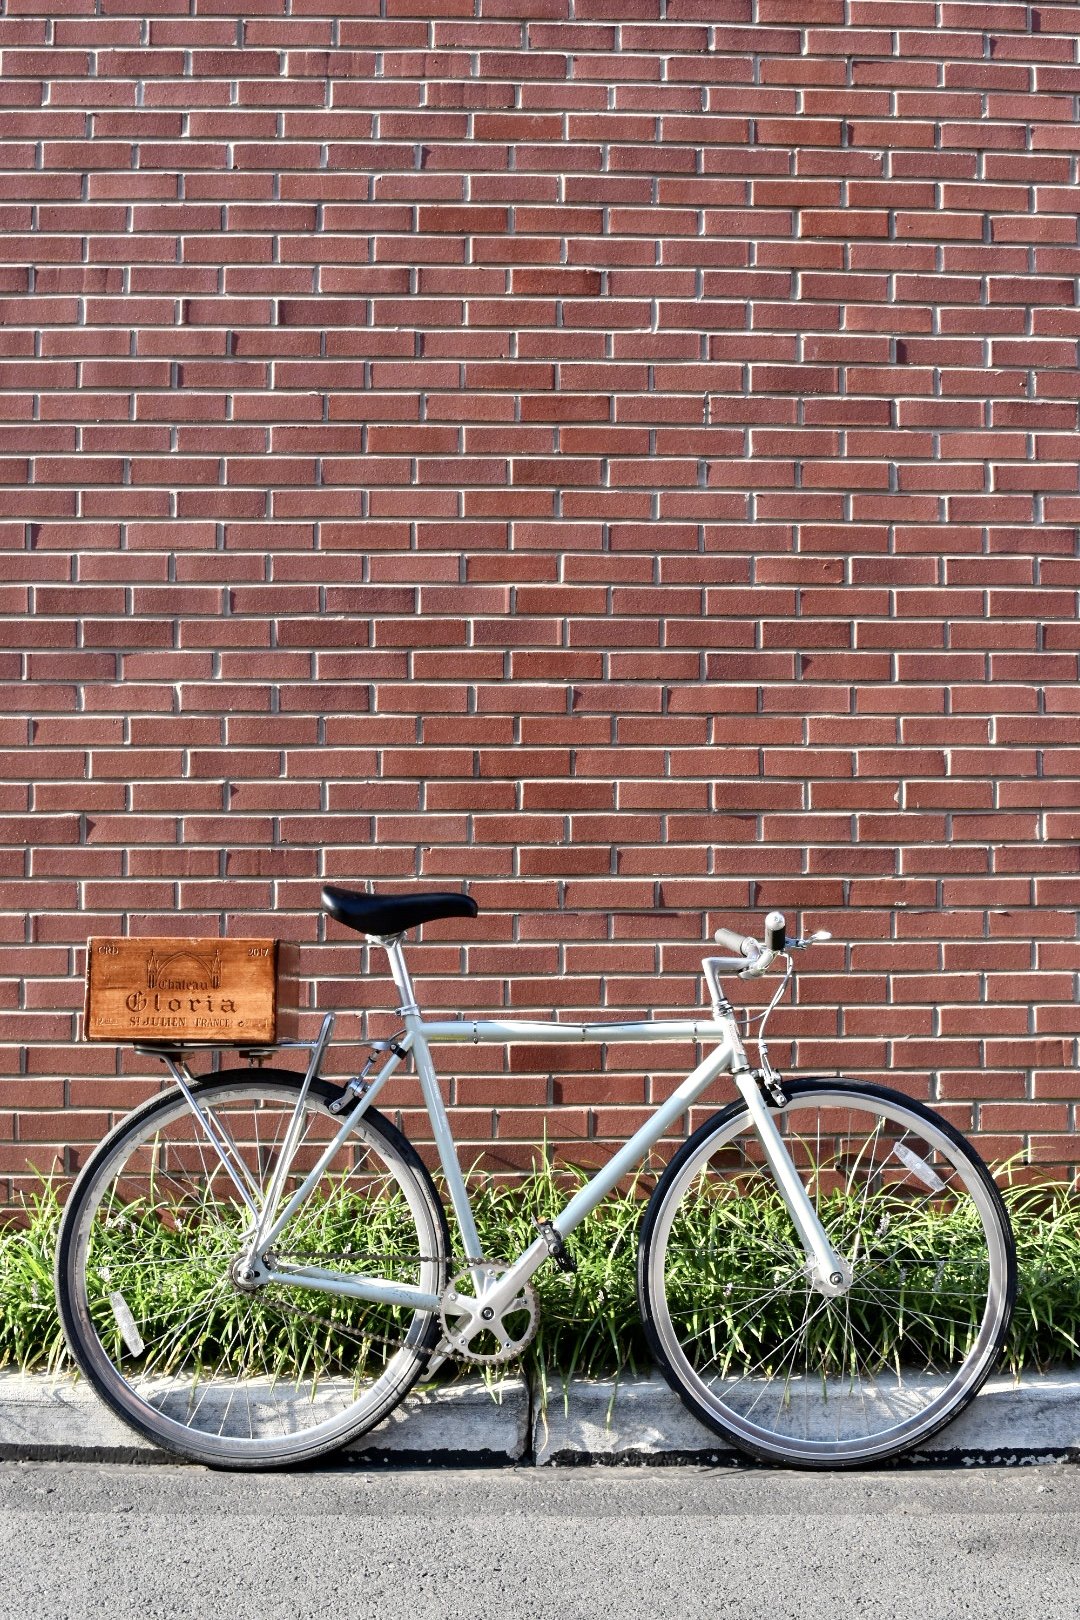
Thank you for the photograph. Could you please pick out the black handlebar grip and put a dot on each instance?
(775, 931)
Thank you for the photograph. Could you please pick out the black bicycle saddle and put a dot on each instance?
(386, 914)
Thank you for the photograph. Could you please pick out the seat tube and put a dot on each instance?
(429, 1085)
(396, 957)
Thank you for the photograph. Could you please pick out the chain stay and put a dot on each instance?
(449, 1347)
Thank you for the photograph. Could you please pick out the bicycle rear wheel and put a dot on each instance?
(162, 1327)
(755, 1351)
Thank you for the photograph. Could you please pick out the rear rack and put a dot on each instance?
(176, 1054)
(258, 1051)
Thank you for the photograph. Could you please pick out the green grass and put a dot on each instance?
(589, 1320)
(30, 1333)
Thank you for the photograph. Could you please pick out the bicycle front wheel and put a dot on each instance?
(154, 1306)
(753, 1349)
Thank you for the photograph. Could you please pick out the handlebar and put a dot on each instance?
(752, 958)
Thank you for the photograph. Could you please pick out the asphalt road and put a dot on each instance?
(83, 1541)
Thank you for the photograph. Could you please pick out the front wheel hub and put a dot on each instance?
(831, 1283)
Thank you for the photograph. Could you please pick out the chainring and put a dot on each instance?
(461, 1292)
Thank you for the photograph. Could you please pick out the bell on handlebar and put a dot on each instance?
(775, 931)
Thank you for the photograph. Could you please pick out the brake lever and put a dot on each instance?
(759, 964)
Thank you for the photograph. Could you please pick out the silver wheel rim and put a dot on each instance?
(761, 1407)
(294, 1413)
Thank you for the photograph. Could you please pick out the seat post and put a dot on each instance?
(395, 956)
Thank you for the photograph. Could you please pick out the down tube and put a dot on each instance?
(631, 1155)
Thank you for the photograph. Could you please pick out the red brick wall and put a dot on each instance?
(626, 463)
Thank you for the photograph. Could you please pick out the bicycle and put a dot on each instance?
(825, 1272)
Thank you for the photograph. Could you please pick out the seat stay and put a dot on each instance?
(280, 1219)
(280, 1174)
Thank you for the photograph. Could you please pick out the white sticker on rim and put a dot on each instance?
(126, 1323)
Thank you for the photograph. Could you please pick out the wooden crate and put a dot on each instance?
(181, 990)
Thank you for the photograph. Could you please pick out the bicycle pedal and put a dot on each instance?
(556, 1246)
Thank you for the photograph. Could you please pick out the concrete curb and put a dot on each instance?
(635, 1420)
(46, 1419)
(640, 1420)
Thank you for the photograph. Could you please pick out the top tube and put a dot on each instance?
(505, 1032)
(481, 1031)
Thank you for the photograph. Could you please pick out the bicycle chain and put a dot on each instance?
(349, 1333)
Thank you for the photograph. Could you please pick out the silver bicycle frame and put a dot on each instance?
(829, 1274)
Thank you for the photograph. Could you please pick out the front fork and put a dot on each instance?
(829, 1273)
